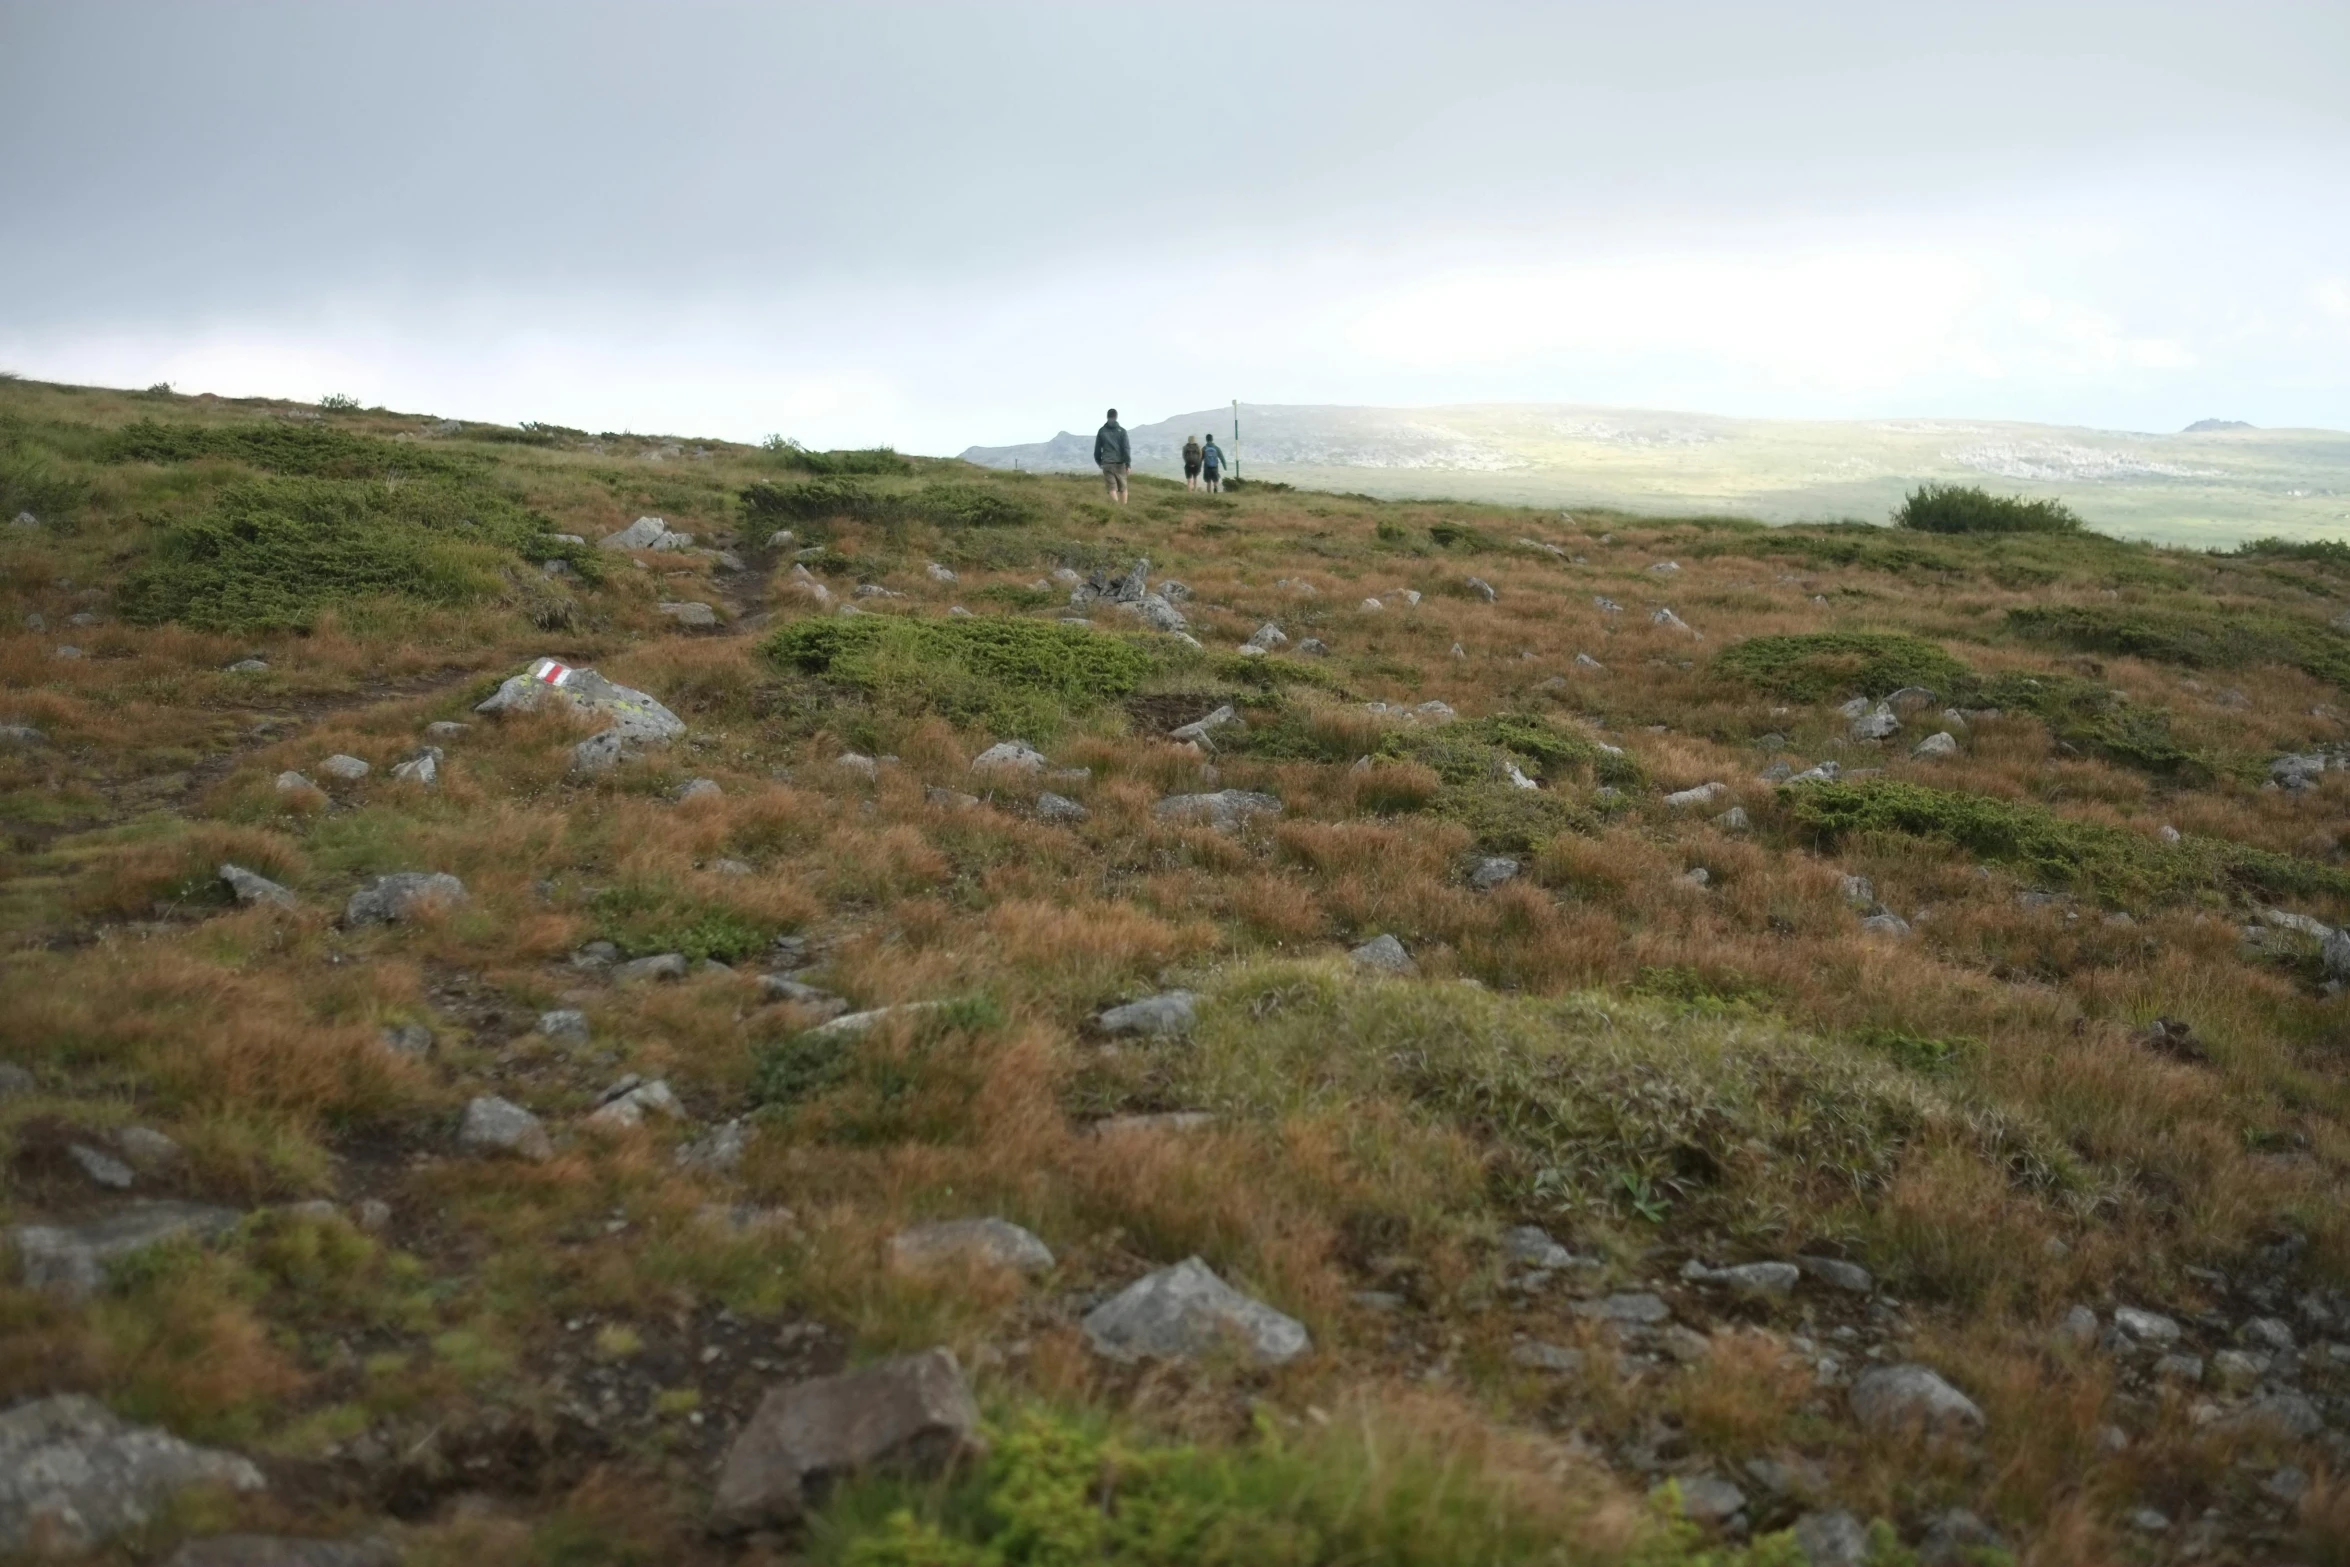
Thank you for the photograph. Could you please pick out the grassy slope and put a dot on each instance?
(1656, 1071)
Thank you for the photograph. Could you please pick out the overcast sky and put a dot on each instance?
(943, 224)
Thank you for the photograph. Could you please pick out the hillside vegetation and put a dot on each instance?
(1618, 989)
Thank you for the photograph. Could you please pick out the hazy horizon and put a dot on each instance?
(939, 227)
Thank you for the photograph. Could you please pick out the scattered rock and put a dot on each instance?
(646, 533)
(1666, 568)
(949, 799)
(1384, 954)
(1051, 807)
(1531, 1246)
(1710, 1500)
(289, 781)
(1008, 756)
(423, 768)
(782, 987)
(664, 967)
(696, 789)
(1877, 724)
(2144, 1329)
(1701, 794)
(1266, 638)
(1225, 810)
(1605, 605)
(1170, 1012)
(2233, 1371)
(1201, 728)
(1734, 819)
(1667, 619)
(21, 735)
(103, 1169)
(2078, 1330)
(1492, 871)
(2270, 1333)
(1557, 1359)
(73, 1475)
(1183, 1312)
(636, 720)
(939, 573)
(402, 896)
(1890, 1398)
(15, 1080)
(968, 1243)
(249, 666)
(347, 768)
(1833, 1539)
(719, 1152)
(70, 1260)
(1586, 661)
(855, 1025)
(2287, 1416)
(1634, 1308)
(499, 1126)
(407, 1039)
(627, 1103)
(1482, 588)
(913, 1415)
(147, 1149)
(1935, 746)
(250, 888)
(1885, 924)
(1956, 1539)
(1759, 1279)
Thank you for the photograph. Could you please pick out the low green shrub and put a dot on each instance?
(272, 553)
(1465, 537)
(870, 459)
(1968, 508)
(306, 450)
(645, 920)
(1823, 665)
(818, 500)
(1023, 677)
(2332, 554)
(952, 505)
(2191, 638)
(2107, 863)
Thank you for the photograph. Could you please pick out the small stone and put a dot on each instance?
(939, 573)
(1314, 647)
(1838, 1274)
(823, 1003)
(1832, 1539)
(913, 1416)
(408, 1039)
(1170, 1012)
(1225, 810)
(1935, 746)
(692, 613)
(1891, 1397)
(596, 956)
(2078, 1330)
(1629, 1309)
(1876, 724)
(15, 1081)
(290, 781)
(2269, 1333)
(499, 1126)
(1700, 794)
(2145, 1328)
(1385, 955)
(1482, 588)
(1184, 1312)
(990, 1243)
(1667, 619)
(104, 1169)
(371, 1214)
(1556, 1359)
(2288, 1485)
(628, 1102)
(1492, 871)
(250, 888)
(1586, 661)
(147, 1149)
(1759, 1279)
(1885, 924)
(402, 896)
(1008, 756)
(719, 1152)
(2167, 833)
(69, 1261)
(1696, 876)
(665, 967)
(1051, 807)
(949, 799)
(2148, 1521)
(347, 768)
(1201, 728)
(732, 867)
(696, 789)
(1666, 568)
(1710, 1500)
(1734, 820)
(66, 651)
(567, 1024)
(249, 666)
(2233, 1371)
(1531, 1246)
(423, 769)
(2179, 1368)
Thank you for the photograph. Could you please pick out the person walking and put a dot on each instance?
(1212, 466)
(1115, 456)
(1191, 456)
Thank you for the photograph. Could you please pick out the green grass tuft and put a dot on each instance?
(1024, 677)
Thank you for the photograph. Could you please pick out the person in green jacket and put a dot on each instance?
(1115, 456)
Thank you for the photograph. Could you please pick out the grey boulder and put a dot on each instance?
(689, 613)
(1201, 728)
(952, 1244)
(1492, 872)
(662, 966)
(1051, 807)
(1833, 1539)
(73, 1475)
(1935, 746)
(1836, 1273)
(500, 1126)
(250, 887)
(912, 1415)
(1892, 1398)
(1016, 756)
(1383, 954)
(350, 769)
(568, 1024)
(1759, 1279)
(1170, 1012)
(636, 720)
(401, 896)
(1224, 810)
(70, 1260)
(1184, 1312)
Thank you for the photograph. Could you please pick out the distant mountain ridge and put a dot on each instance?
(2219, 481)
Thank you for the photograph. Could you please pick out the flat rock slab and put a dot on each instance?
(277, 1550)
(690, 612)
(1224, 810)
(400, 896)
(913, 1415)
(950, 1244)
(1170, 1012)
(1891, 1398)
(73, 1475)
(69, 1260)
(500, 1126)
(1184, 1312)
(1639, 1309)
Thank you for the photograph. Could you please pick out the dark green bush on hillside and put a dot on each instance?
(871, 459)
(2194, 638)
(272, 553)
(1967, 508)
(1014, 677)
(313, 450)
(948, 505)
(1827, 664)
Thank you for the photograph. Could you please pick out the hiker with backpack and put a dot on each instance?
(1114, 455)
(1212, 466)
(1191, 460)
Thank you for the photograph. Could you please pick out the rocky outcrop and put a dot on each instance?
(913, 1415)
(73, 1475)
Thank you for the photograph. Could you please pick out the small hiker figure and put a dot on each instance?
(1111, 451)
(1191, 456)
(1212, 466)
